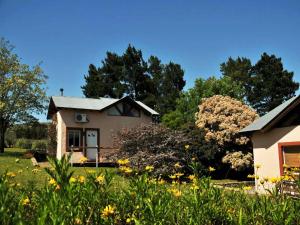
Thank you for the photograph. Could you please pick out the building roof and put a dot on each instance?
(272, 116)
(90, 104)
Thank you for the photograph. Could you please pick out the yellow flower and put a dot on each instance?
(195, 187)
(17, 160)
(57, 187)
(252, 176)
(192, 177)
(179, 174)
(77, 221)
(274, 180)
(20, 171)
(149, 168)
(81, 179)
(91, 171)
(211, 169)
(177, 165)
(172, 176)
(161, 181)
(72, 180)
(266, 179)
(26, 201)
(247, 188)
(176, 192)
(187, 147)
(35, 170)
(11, 174)
(285, 166)
(262, 181)
(123, 162)
(83, 159)
(108, 211)
(128, 170)
(128, 220)
(52, 182)
(194, 159)
(257, 166)
(100, 179)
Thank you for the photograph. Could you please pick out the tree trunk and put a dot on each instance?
(3, 128)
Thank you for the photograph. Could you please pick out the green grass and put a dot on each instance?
(24, 169)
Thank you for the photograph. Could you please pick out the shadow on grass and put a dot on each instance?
(14, 153)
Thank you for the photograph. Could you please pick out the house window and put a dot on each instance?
(74, 138)
(291, 156)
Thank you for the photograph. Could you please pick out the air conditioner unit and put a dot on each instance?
(81, 118)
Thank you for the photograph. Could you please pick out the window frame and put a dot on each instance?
(81, 138)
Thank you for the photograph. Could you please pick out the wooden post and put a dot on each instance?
(72, 155)
(97, 156)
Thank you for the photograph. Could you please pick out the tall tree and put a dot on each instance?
(172, 83)
(238, 70)
(270, 84)
(22, 90)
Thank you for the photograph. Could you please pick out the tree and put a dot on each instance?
(153, 83)
(270, 84)
(22, 90)
(221, 118)
(187, 104)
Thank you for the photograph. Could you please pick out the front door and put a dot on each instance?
(91, 144)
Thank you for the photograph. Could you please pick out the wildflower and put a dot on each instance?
(128, 220)
(161, 181)
(20, 171)
(176, 192)
(77, 221)
(11, 174)
(194, 159)
(72, 180)
(211, 169)
(172, 176)
(123, 162)
(57, 187)
(91, 171)
(247, 188)
(83, 159)
(266, 179)
(257, 166)
(262, 181)
(285, 166)
(17, 160)
(108, 211)
(52, 182)
(194, 187)
(100, 179)
(252, 176)
(26, 201)
(187, 147)
(274, 180)
(177, 165)
(192, 177)
(35, 170)
(81, 179)
(179, 174)
(149, 168)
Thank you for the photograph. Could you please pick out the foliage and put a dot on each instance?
(187, 104)
(52, 137)
(10, 138)
(155, 84)
(153, 145)
(90, 199)
(270, 84)
(39, 145)
(24, 143)
(33, 130)
(22, 90)
(222, 118)
(266, 84)
(238, 160)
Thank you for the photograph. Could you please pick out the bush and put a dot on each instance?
(39, 145)
(10, 138)
(24, 143)
(52, 137)
(153, 145)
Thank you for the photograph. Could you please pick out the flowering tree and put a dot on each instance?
(22, 90)
(221, 118)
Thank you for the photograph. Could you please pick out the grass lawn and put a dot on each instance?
(14, 160)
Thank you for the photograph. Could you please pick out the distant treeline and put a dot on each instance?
(35, 131)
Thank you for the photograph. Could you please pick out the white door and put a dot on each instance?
(91, 144)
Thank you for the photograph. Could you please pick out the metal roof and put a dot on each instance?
(92, 103)
(263, 121)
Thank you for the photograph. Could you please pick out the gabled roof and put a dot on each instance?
(100, 104)
(268, 120)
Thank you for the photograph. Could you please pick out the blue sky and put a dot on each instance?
(199, 35)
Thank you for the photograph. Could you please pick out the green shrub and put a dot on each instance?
(39, 145)
(24, 143)
(10, 138)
